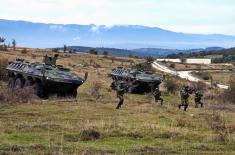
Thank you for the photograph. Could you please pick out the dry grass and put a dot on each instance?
(188, 67)
(3, 64)
(16, 96)
(222, 77)
(171, 85)
(140, 127)
(223, 129)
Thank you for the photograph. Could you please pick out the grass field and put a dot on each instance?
(192, 67)
(57, 126)
(222, 77)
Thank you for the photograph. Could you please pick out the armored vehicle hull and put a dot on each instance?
(135, 81)
(44, 79)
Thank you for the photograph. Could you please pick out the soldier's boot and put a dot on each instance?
(156, 100)
(179, 106)
(185, 107)
(196, 105)
(119, 104)
(202, 105)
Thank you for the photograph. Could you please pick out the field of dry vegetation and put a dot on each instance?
(91, 124)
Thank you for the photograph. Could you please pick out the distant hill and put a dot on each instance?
(124, 52)
(165, 52)
(157, 51)
(223, 55)
(111, 51)
(203, 53)
(141, 52)
(41, 35)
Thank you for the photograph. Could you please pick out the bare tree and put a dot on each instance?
(14, 44)
(65, 48)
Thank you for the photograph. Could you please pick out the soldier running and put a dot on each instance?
(157, 95)
(120, 94)
(197, 99)
(184, 93)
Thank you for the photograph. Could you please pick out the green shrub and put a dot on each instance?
(105, 53)
(203, 75)
(172, 65)
(171, 86)
(55, 50)
(93, 51)
(24, 51)
(90, 134)
(3, 47)
(230, 93)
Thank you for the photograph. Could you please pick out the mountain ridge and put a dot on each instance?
(142, 52)
(45, 35)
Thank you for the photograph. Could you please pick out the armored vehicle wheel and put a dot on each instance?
(40, 91)
(11, 82)
(74, 93)
(28, 83)
(44, 78)
(19, 83)
(131, 90)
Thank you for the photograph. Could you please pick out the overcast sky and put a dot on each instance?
(193, 16)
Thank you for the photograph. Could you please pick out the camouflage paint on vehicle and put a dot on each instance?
(136, 81)
(46, 79)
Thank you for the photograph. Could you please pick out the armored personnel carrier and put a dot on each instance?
(45, 78)
(136, 81)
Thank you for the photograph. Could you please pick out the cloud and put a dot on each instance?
(95, 28)
(77, 38)
(203, 29)
(128, 12)
(58, 28)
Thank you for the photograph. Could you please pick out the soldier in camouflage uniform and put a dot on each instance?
(184, 94)
(197, 99)
(54, 59)
(50, 60)
(157, 95)
(120, 94)
(46, 59)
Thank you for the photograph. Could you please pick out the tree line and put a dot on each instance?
(3, 46)
(224, 56)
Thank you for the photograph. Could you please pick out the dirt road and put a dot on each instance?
(183, 74)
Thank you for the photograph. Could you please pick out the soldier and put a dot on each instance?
(157, 95)
(53, 61)
(120, 94)
(197, 99)
(50, 60)
(184, 93)
(46, 60)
